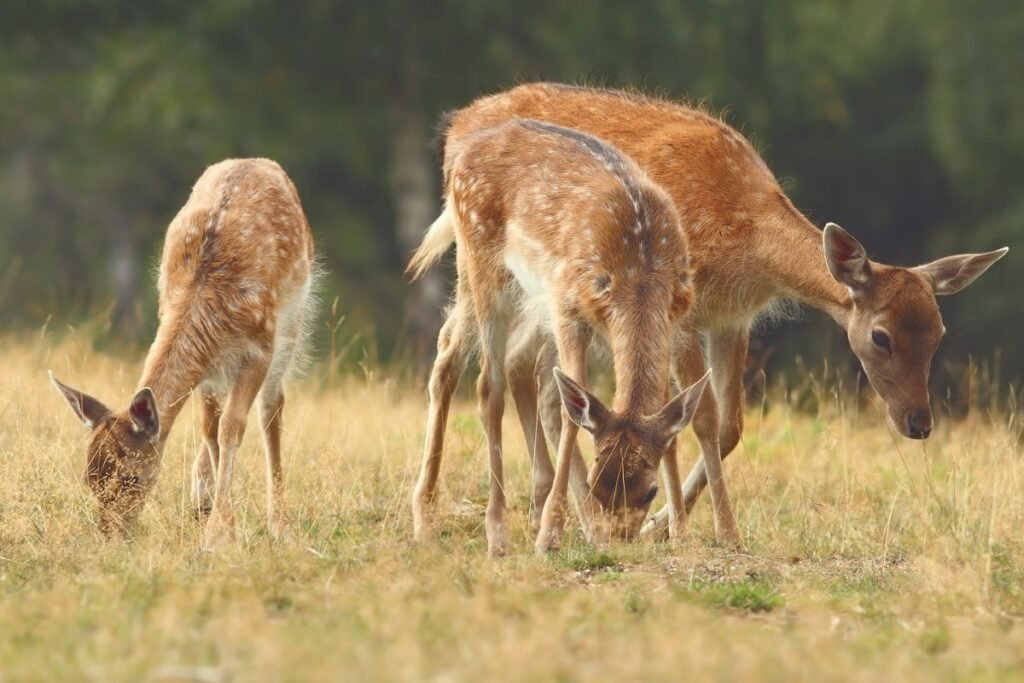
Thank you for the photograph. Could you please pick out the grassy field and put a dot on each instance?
(868, 557)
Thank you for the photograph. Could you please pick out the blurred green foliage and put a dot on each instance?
(904, 122)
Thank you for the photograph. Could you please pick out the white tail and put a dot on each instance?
(440, 236)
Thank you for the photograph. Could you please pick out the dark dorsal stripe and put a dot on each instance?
(611, 159)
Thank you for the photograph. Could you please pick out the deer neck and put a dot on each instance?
(794, 261)
(174, 367)
(640, 352)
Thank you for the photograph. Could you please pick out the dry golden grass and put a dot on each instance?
(868, 557)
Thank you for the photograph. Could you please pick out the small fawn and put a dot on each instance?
(235, 297)
(559, 234)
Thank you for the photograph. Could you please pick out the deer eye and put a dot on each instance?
(881, 340)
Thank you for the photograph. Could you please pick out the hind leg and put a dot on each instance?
(271, 411)
(205, 466)
(452, 348)
(520, 364)
(271, 419)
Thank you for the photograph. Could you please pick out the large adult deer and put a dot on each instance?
(748, 247)
(235, 296)
(561, 235)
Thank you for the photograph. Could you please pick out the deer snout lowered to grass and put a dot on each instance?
(235, 285)
(560, 235)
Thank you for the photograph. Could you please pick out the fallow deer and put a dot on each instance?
(235, 297)
(560, 235)
(749, 247)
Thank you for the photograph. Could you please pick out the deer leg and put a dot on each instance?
(572, 353)
(491, 401)
(452, 348)
(220, 528)
(673, 483)
(673, 492)
(551, 419)
(706, 425)
(271, 418)
(521, 364)
(728, 352)
(204, 467)
(271, 400)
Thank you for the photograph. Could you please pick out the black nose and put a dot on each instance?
(919, 424)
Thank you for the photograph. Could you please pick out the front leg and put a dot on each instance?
(204, 469)
(551, 420)
(673, 492)
(724, 378)
(572, 350)
(220, 528)
(728, 353)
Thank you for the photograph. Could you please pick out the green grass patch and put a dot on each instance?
(752, 595)
(1007, 579)
(585, 559)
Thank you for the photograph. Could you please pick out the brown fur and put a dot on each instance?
(748, 246)
(234, 287)
(563, 233)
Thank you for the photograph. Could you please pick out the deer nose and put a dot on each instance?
(919, 424)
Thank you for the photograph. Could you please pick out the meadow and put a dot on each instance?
(867, 556)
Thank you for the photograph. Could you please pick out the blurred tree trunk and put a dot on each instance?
(126, 278)
(416, 207)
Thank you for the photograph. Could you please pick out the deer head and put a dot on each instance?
(123, 456)
(895, 326)
(624, 476)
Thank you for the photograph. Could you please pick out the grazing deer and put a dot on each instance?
(748, 247)
(235, 296)
(561, 235)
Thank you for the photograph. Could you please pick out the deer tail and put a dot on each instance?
(439, 237)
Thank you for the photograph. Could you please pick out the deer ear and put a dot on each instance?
(678, 412)
(583, 407)
(89, 410)
(845, 257)
(951, 274)
(143, 413)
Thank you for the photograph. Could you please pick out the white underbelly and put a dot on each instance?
(534, 301)
(533, 269)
